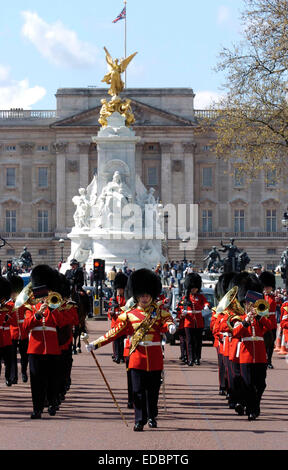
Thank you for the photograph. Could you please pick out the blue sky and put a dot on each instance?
(58, 44)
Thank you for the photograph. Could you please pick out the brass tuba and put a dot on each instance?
(230, 301)
(25, 297)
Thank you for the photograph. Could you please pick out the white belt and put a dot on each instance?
(21, 321)
(149, 343)
(247, 338)
(6, 328)
(253, 338)
(46, 328)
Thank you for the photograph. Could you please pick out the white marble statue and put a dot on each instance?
(82, 213)
(114, 196)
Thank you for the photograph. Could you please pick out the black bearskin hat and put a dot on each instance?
(5, 288)
(192, 280)
(120, 281)
(44, 275)
(246, 281)
(144, 281)
(268, 279)
(224, 284)
(63, 287)
(16, 282)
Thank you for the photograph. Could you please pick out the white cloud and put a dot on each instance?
(17, 94)
(56, 43)
(223, 14)
(205, 99)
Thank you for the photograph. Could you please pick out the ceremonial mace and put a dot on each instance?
(84, 338)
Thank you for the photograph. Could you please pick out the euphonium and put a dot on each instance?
(54, 300)
(231, 319)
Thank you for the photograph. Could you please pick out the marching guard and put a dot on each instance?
(41, 321)
(144, 322)
(193, 304)
(116, 303)
(269, 282)
(7, 318)
(18, 335)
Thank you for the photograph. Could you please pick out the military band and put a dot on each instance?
(37, 321)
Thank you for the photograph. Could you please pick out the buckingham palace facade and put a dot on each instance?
(46, 156)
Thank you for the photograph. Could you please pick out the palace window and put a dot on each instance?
(43, 221)
(207, 217)
(271, 178)
(152, 176)
(11, 177)
(207, 177)
(239, 220)
(10, 221)
(239, 180)
(43, 177)
(271, 220)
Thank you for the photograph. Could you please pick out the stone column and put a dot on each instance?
(83, 149)
(189, 151)
(166, 189)
(60, 149)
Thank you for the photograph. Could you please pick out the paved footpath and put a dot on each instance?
(195, 418)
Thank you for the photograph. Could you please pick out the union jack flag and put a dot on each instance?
(121, 16)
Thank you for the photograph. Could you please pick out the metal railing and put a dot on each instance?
(27, 114)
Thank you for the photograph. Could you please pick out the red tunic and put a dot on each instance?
(16, 331)
(148, 355)
(70, 318)
(113, 315)
(270, 298)
(284, 320)
(7, 318)
(43, 336)
(251, 347)
(193, 317)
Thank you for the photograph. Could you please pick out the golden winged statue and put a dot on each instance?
(116, 68)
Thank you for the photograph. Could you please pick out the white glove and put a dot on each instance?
(90, 347)
(206, 307)
(172, 329)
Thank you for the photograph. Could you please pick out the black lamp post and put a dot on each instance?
(184, 241)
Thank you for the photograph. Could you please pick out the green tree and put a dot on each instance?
(251, 123)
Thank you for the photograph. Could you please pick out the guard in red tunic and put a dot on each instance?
(144, 322)
(7, 318)
(41, 322)
(268, 280)
(221, 289)
(116, 303)
(181, 331)
(251, 351)
(284, 325)
(18, 336)
(193, 304)
(65, 335)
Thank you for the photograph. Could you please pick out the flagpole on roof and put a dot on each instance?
(125, 39)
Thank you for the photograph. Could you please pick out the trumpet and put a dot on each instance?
(54, 300)
(262, 308)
